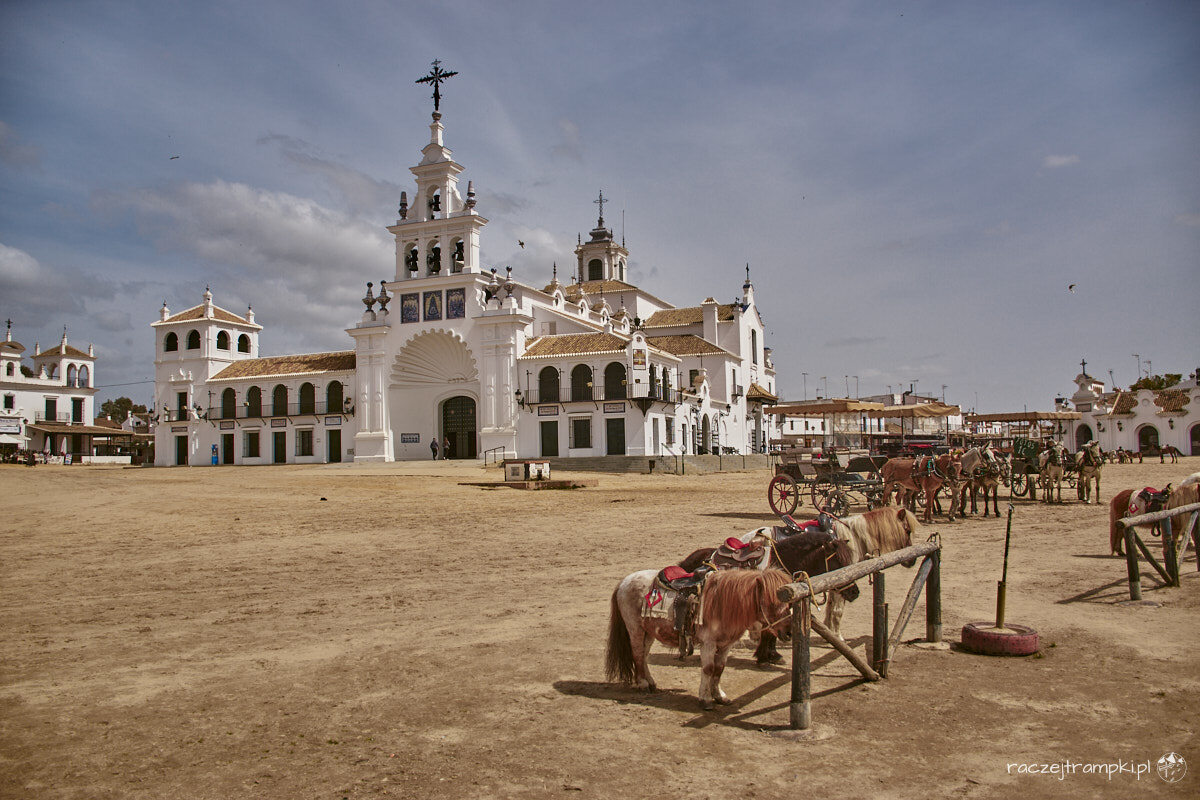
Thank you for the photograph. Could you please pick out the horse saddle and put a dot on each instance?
(677, 579)
(822, 524)
(736, 554)
(1148, 500)
(925, 466)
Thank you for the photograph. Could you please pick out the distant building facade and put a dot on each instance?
(477, 359)
(1145, 419)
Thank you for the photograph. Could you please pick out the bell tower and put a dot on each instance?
(438, 234)
(601, 258)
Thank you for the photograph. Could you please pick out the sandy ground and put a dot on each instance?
(330, 632)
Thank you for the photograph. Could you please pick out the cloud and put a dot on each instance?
(362, 193)
(1053, 162)
(14, 153)
(113, 321)
(571, 144)
(39, 290)
(18, 269)
(1191, 220)
(854, 341)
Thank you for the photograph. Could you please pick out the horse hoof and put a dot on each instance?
(706, 705)
(767, 660)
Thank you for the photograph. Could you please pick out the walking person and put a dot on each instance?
(445, 449)
(433, 448)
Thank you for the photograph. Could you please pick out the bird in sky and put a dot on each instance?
(172, 158)
(522, 244)
(1071, 288)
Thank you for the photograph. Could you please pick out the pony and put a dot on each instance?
(1190, 479)
(1132, 503)
(873, 533)
(1090, 462)
(1183, 496)
(731, 602)
(924, 474)
(1050, 470)
(980, 470)
(812, 552)
(1169, 450)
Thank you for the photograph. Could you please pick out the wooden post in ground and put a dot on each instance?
(1131, 565)
(933, 599)
(910, 603)
(1170, 554)
(801, 706)
(879, 632)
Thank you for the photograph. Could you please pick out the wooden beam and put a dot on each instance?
(847, 575)
(910, 603)
(1158, 516)
(845, 649)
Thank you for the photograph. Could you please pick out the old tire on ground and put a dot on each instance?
(783, 494)
(1013, 640)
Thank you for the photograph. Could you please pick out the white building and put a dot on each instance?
(51, 408)
(481, 361)
(1145, 419)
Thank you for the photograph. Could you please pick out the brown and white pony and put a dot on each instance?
(980, 471)
(1050, 470)
(873, 533)
(1090, 460)
(924, 474)
(1132, 503)
(1183, 496)
(731, 602)
(1169, 450)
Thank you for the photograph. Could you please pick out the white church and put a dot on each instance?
(482, 362)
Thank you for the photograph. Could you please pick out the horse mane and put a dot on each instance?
(1184, 495)
(881, 529)
(796, 551)
(739, 598)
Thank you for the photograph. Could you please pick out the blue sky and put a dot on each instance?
(914, 185)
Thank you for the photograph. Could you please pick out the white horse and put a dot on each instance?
(731, 602)
(873, 533)
(981, 470)
(1091, 461)
(1050, 470)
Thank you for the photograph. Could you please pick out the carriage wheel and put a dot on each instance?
(835, 502)
(783, 494)
(1070, 480)
(1019, 485)
(819, 489)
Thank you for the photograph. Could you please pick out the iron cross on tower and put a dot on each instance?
(1083, 365)
(436, 76)
(600, 202)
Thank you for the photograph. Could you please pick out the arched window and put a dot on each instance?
(228, 404)
(84, 377)
(434, 260)
(193, 340)
(581, 382)
(308, 399)
(614, 381)
(458, 257)
(171, 342)
(254, 402)
(9, 370)
(72, 374)
(243, 344)
(412, 258)
(222, 340)
(548, 385)
(279, 401)
(595, 270)
(333, 397)
(753, 346)
(653, 381)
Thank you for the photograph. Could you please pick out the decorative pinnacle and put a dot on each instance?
(436, 76)
(600, 202)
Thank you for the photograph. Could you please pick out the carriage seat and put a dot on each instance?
(677, 579)
(822, 524)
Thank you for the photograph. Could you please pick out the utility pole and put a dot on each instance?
(1138, 356)
(847, 377)
(856, 395)
(943, 393)
(804, 375)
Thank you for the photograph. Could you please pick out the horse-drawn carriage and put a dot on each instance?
(831, 485)
(1024, 468)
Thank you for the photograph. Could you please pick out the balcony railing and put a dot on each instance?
(58, 416)
(595, 394)
(272, 410)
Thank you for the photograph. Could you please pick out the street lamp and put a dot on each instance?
(804, 375)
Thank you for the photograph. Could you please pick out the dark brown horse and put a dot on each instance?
(923, 474)
(811, 552)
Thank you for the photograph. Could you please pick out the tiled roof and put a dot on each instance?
(594, 289)
(197, 312)
(757, 392)
(1124, 404)
(1172, 399)
(574, 344)
(686, 345)
(692, 315)
(63, 350)
(304, 364)
(105, 422)
(14, 345)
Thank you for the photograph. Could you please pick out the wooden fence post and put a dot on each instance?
(933, 599)
(1170, 554)
(1131, 565)
(879, 633)
(801, 706)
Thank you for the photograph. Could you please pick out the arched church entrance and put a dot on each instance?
(1148, 438)
(1083, 435)
(705, 435)
(1196, 439)
(458, 427)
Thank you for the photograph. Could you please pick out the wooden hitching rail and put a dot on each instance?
(929, 576)
(1172, 555)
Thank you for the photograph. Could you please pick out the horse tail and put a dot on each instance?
(618, 656)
